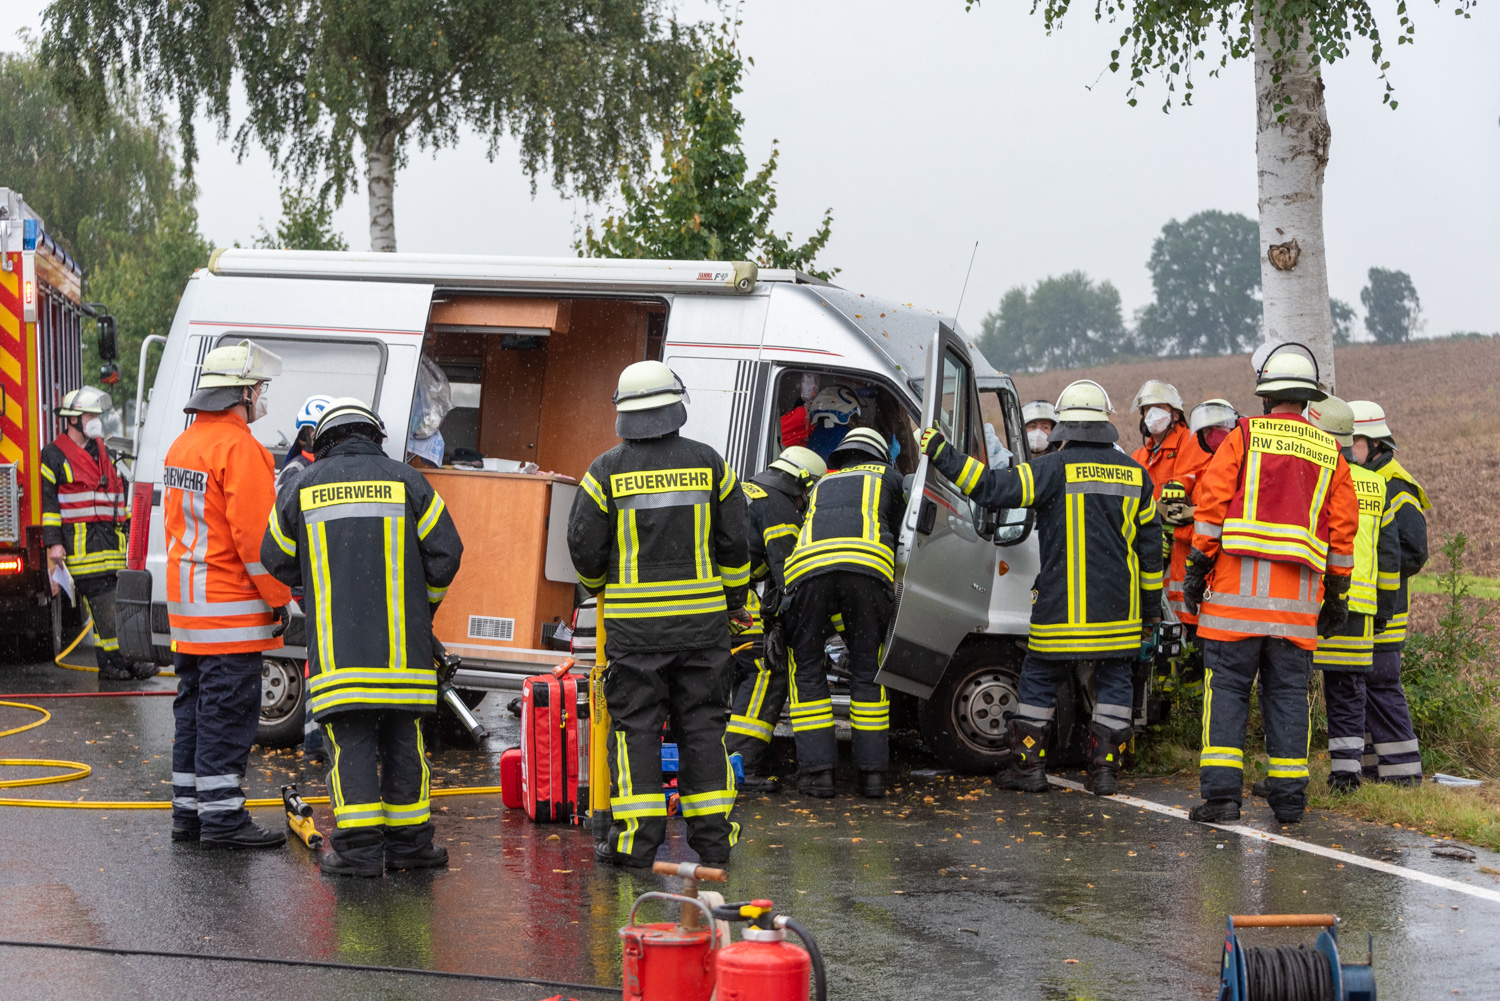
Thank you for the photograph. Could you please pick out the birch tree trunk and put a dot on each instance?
(380, 185)
(1291, 155)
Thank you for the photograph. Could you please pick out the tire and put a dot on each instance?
(962, 722)
(283, 702)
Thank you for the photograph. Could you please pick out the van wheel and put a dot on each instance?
(964, 722)
(283, 697)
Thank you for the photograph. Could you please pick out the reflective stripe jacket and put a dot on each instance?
(1180, 458)
(1100, 539)
(775, 520)
(216, 494)
(852, 523)
(83, 506)
(1276, 507)
(371, 544)
(1377, 549)
(659, 526)
(1407, 501)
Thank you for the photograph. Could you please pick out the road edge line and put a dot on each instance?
(1442, 882)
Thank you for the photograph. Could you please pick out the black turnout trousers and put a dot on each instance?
(378, 780)
(642, 691)
(1231, 668)
(865, 603)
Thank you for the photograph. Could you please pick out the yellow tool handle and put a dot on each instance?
(598, 726)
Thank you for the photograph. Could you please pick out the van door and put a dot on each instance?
(944, 568)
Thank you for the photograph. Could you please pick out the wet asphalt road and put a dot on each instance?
(948, 889)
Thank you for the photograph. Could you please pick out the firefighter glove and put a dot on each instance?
(1175, 508)
(1195, 579)
(1335, 611)
(283, 619)
(776, 645)
(1381, 623)
(1166, 548)
(933, 443)
(740, 619)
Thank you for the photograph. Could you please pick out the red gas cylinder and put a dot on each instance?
(763, 966)
(667, 962)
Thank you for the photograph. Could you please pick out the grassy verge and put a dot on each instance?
(1429, 582)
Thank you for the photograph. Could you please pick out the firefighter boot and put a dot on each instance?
(1105, 747)
(755, 756)
(412, 848)
(360, 853)
(817, 783)
(872, 784)
(1343, 781)
(247, 835)
(1027, 771)
(1215, 811)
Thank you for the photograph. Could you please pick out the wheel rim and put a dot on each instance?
(280, 690)
(980, 710)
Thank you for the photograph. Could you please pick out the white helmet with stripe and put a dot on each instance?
(1370, 422)
(803, 463)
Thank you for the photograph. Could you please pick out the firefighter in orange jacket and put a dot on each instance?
(1171, 454)
(1273, 549)
(225, 609)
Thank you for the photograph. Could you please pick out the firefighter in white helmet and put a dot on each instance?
(777, 499)
(1039, 417)
(659, 527)
(1100, 580)
(1392, 753)
(84, 520)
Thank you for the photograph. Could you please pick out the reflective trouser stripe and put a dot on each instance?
(1343, 765)
(221, 805)
(649, 805)
(1288, 768)
(1397, 747)
(204, 783)
(719, 801)
(749, 726)
(407, 814)
(812, 715)
(1113, 716)
(1041, 714)
(359, 815)
(1389, 771)
(1223, 757)
(185, 802)
(870, 715)
(1346, 743)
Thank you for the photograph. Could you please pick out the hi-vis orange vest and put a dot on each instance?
(217, 496)
(1276, 505)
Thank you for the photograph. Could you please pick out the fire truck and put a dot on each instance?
(42, 316)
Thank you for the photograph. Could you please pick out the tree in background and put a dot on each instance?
(1392, 309)
(1289, 40)
(306, 224)
(108, 188)
(1343, 321)
(583, 86)
(701, 206)
(1207, 280)
(1065, 322)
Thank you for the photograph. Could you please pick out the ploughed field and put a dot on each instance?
(1442, 399)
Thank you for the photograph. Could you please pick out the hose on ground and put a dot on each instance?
(1287, 973)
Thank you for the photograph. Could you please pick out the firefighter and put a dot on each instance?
(375, 548)
(1392, 753)
(225, 608)
(83, 519)
(659, 527)
(300, 455)
(1040, 417)
(1100, 580)
(776, 498)
(1210, 422)
(840, 576)
(1273, 547)
(1170, 453)
(1346, 657)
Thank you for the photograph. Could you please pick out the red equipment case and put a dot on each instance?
(549, 745)
(510, 777)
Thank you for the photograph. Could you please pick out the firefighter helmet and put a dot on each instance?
(1154, 392)
(1038, 410)
(860, 443)
(649, 401)
(347, 411)
(1370, 422)
(1334, 416)
(1084, 400)
(312, 409)
(85, 400)
(1288, 372)
(833, 405)
(242, 364)
(803, 463)
(1212, 413)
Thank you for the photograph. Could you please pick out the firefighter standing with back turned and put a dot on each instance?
(373, 545)
(776, 500)
(659, 526)
(83, 514)
(1273, 548)
(225, 607)
(1100, 580)
(842, 570)
(1392, 753)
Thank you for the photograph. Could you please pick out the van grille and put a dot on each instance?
(483, 627)
(10, 503)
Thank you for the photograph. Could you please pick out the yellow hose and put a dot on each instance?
(80, 770)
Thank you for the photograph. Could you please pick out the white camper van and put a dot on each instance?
(530, 349)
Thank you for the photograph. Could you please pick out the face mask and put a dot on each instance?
(258, 409)
(1158, 419)
(93, 428)
(809, 386)
(1214, 437)
(1038, 440)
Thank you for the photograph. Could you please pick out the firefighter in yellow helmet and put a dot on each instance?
(659, 527)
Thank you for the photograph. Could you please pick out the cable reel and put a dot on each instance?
(1293, 972)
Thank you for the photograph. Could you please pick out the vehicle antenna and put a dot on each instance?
(965, 289)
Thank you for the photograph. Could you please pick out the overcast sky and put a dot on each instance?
(926, 128)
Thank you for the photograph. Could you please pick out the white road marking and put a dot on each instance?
(1304, 846)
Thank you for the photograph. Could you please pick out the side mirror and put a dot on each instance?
(109, 346)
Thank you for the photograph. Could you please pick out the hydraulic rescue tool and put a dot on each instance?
(1292, 972)
(299, 816)
(447, 664)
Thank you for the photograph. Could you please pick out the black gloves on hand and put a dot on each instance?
(1335, 611)
(1195, 580)
(283, 619)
